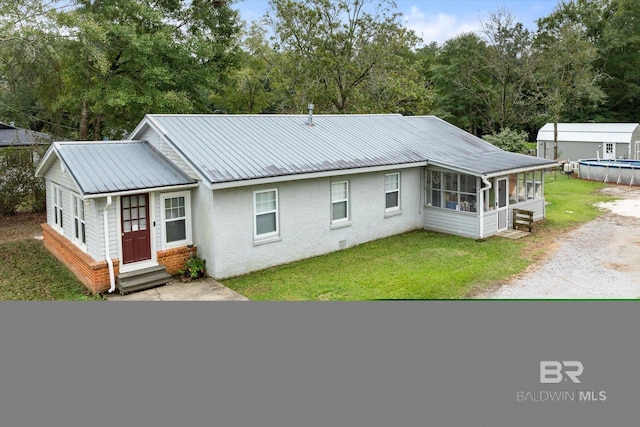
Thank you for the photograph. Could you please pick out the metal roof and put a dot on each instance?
(592, 132)
(11, 136)
(226, 148)
(116, 166)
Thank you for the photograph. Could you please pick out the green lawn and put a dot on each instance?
(571, 201)
(29, 272)
(414, 265)
(422, 264)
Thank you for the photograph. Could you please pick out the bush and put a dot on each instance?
(20, 190)
(509, 140)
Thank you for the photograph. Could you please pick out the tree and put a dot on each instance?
(462, 85)
(508, 61)
(29, 80)
(126, 58)
(613, 26)
(332, 49)
(257, 84)
(565, 77)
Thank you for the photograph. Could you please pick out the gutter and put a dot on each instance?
(141, 190)
(105, 217)
(485, 180)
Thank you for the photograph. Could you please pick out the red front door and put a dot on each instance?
(136, 237)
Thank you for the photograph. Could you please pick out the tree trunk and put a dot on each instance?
(84, 121)
(97, 127)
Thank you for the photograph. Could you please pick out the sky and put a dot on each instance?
(440, 20)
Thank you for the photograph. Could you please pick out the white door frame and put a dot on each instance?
(502, 203)
(609, 155)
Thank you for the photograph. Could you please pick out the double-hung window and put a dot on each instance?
(265, 213)
(176, 219)
(339, 201)
(79, 226)
(57, 207)
(392, 191)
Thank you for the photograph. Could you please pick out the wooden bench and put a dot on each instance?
(522, 219)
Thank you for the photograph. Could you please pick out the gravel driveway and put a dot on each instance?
(601, 259)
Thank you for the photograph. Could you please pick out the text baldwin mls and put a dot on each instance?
(556, 372)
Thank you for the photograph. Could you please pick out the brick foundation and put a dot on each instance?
(175, 259)
(95, 274)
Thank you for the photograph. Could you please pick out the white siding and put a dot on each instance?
(57, 177)
(98, 250)
(161, 145)
(60, 177)
(305, 221)
(95, 235)
(535, 205)
(452, 222)
(490, 223)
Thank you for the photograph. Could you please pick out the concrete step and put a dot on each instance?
(139, 280)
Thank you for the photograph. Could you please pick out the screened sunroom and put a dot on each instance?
(480, 206)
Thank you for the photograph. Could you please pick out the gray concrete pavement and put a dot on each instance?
(199, 290)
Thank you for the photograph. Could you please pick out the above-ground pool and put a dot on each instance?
(618, 171)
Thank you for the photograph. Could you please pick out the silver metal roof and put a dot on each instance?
(11, 136)
(592, 132)
(227, 148)
(117, 166)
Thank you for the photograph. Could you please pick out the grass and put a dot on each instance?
(422, 264)
(416, 265)
(571, 201)
(29, 272)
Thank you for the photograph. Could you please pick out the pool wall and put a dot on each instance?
(613, 171)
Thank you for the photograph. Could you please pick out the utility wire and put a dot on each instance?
(38, 119)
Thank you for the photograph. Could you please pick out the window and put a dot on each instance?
(266, 213)
(176, 219)
(79, 226)
(58, 217)
(609, 148)
(392, 191)
(450, 190)
(339, 201)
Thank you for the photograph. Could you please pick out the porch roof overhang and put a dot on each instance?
(142, 190)
(495, 164)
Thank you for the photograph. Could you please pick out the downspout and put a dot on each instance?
(105, 220)
(482, 192)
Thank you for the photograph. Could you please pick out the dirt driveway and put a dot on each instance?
(601, 259)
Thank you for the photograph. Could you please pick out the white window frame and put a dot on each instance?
(188, 240)
(58, 207)
(77, 204)
(273, 234)
(346, 219)
(392, 208)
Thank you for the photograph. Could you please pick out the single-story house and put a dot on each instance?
(578, 141)
(252, 191)
(19, 145)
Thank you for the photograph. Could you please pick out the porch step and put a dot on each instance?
(140, 280)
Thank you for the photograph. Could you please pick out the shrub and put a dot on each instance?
(509, 140)
(20, 189)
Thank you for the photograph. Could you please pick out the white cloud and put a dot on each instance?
(438, 27)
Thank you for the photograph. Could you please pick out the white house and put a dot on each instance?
(252, 191)
(578, 141)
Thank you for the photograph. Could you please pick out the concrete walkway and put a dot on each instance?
(199, 290)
